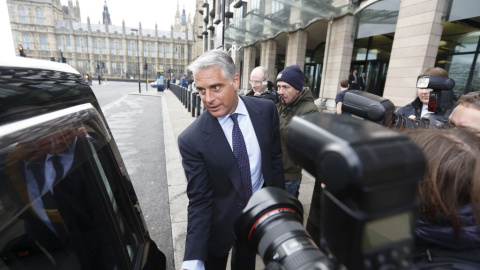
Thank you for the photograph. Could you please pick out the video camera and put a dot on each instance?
(382, 110)
(270, 92)
(362, 219)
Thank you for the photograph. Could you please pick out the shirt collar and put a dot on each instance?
(241, 109)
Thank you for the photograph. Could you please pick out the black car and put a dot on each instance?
(66, 200)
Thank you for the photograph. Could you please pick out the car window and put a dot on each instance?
(64, 202)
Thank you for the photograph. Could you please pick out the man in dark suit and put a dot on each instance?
(56, 180)
(217, 187)
(362, 82)
(353, 80)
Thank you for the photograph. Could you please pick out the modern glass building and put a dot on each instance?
(391, 40)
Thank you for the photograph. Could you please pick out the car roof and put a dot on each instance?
(29, 87)
(25, 62)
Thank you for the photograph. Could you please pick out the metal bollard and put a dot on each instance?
(194, 104)
(198, 106)
(189, 101)
(185, 93)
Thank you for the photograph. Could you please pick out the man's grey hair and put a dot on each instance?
(215, 58)
(471, 99)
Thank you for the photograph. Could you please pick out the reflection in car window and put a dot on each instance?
(60, 187)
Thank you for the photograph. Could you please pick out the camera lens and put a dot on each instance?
(272, 225)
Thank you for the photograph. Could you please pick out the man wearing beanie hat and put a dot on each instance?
(295, 100)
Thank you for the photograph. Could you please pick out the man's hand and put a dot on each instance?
(413, 117)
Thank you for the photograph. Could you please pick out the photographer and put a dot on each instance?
(466, 114)
(418, 108)
(295, 101)
(447, 232)
(262, 87)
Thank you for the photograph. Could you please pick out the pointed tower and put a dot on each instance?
(177, 17)
(106, 15)
(184, 17)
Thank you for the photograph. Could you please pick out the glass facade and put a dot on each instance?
(375, 30)
(459, 46)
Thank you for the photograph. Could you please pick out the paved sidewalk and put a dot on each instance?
(176, 119)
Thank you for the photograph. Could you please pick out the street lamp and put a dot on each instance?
(138, 62)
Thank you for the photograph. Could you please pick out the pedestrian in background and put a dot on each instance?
(353, 80)
(344, 88)
(295, 101)
(362, 82)
(183, 81)
(228, 153)
(190, 84)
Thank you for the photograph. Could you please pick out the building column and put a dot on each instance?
(267, 57)
(237, 59)
(249, 55)
(338, 57)
(296, 48)
(415, 47)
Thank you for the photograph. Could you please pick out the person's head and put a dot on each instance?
(424, 93)
(452, 175)
(58, 142)
(344, 84)
(290, 83)
(355, 71)
(217, 82)
(466, 115)
(259, 79)
(363, 74)
(184, 76)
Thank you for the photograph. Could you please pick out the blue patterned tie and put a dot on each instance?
(240, 152)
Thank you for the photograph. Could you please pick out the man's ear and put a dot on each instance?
(236, 81)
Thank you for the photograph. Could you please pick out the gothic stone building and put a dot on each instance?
(47, 30)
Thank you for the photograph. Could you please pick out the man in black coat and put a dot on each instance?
(217, 189)
(353, 80)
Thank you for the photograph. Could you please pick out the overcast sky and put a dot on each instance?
(132, 12)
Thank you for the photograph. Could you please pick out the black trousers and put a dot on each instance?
(242, 259)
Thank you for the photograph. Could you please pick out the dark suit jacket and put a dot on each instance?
(354, 84)
(75, 197)
(214, 186)
(361, 84)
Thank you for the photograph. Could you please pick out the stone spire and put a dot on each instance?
(177, 16)
(106, 14)
(184, 17)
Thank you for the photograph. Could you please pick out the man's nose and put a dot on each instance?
(209, 96)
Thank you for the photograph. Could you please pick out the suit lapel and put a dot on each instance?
(220, 150)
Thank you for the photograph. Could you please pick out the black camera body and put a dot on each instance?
(362, 219)
(369, 201)
(382, 111)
